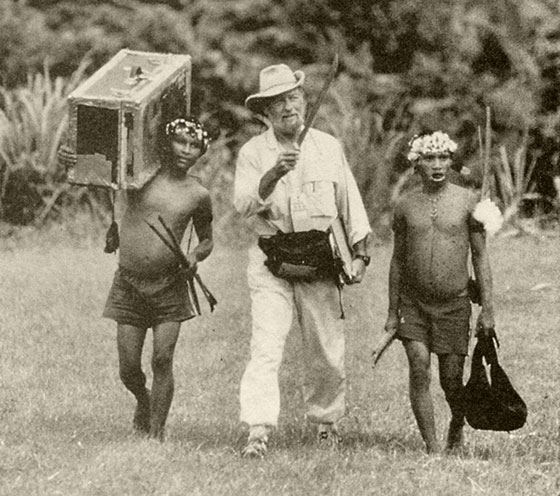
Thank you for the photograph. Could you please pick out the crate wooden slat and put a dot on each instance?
(117, 117)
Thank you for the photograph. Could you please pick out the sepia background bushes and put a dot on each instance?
(406, 66)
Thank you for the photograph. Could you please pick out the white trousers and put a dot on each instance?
(316, 304)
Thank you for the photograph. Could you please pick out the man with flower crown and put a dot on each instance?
(150, 287)
(435, 227)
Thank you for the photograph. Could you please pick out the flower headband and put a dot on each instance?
(190, 127)
(438, 142)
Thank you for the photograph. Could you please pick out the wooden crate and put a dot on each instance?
(117, 117)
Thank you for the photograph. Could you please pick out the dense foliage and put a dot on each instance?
(406, 65)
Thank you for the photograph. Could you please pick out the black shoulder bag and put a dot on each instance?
(491, 405)
(300, 256)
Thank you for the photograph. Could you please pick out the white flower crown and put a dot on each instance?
(189, 126)
(438, 142)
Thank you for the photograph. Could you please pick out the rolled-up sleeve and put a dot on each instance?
(248, 175)
(350, 205)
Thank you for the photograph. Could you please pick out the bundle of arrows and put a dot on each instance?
(173, 244)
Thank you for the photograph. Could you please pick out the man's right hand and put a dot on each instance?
(66, 157)
(193, 265)
(392, 323)
(286, 162)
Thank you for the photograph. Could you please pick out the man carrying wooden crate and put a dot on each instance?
(150, 288)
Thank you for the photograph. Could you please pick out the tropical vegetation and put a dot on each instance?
(406, 66)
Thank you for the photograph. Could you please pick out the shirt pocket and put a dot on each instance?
(320, 199)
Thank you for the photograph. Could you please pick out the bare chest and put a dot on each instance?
(175, 202)
(432, 214)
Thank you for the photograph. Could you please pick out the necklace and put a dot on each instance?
(434, 202)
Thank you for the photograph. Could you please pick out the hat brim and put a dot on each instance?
(256, 102)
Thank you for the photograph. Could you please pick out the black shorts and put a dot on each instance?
(442, 326)
(145, 302)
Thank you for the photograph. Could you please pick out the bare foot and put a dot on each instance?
(141, 422)
(156, 434)
(455, 435)
(433, 450)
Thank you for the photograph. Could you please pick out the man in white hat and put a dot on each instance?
(287, 188)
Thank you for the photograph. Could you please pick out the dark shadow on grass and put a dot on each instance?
(388, 442)
(217, 435)
(91, 430)
(208, 435)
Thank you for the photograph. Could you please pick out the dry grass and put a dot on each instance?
(66, 419)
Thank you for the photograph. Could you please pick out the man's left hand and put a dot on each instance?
(358, 270)
(193, 265)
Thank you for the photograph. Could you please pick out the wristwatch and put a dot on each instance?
(366, 258)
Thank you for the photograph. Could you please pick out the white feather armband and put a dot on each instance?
(488, 214)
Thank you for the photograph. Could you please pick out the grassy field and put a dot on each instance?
(65, 419)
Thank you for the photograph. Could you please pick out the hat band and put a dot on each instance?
(290, 83)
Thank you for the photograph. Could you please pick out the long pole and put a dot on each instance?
(182, 262)
(209, 296)
(310, 117)
(486, 169)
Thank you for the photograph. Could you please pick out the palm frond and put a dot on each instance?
(33, 122)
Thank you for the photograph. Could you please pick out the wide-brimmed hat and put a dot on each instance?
(274, 80)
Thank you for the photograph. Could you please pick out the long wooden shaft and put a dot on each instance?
(208, 295)
(310, 117)
(382, 345)
(179, 255)
(486, 169)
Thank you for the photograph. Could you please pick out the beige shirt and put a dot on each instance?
(319, 189)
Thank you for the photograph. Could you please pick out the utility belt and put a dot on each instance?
(300, 256)
(303, 256)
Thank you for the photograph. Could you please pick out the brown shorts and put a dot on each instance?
(442, 326)
(145, 302)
